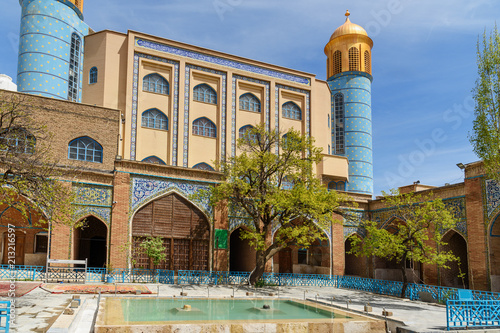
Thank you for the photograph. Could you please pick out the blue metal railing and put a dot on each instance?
(478, 313)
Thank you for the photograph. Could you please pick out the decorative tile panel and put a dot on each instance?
(222, 99)
(267, 106)
(492, 196)
(145, 189)
(93, 200)
(87, 194)
(220, 61)
(135, 88)
(104, 214)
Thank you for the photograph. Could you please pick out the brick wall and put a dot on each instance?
(478, 260)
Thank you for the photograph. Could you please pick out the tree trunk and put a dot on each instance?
(260, 267)
(405, 279)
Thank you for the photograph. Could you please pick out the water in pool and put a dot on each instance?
(136, 310)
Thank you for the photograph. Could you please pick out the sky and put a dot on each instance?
(424, 61)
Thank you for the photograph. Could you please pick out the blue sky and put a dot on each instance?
(424, 61)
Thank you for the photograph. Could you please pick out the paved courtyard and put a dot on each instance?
(37, 310)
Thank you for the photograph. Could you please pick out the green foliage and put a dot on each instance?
(416, 234)
(272, 182)
(154, 249)
(29, 180)
(485, 138)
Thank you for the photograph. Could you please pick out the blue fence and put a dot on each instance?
(483, 309)
(477, 313)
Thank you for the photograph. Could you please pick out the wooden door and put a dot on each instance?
(286, 261)
(19, 247)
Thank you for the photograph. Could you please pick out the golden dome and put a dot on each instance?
(348, 28)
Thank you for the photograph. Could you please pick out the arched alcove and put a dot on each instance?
(91, 242)
(312, 260)
(458, 246)
(242, 255)
(185, 231)
(354, 265)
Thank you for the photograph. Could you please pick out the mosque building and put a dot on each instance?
(147, 119)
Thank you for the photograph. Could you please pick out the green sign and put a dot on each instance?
(220, 239)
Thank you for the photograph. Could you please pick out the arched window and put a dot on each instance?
(17, 140)
(337, 62)
(249, 102)
(74, 67)
(336, 186)
(204, 127)
(155, 83)
(85, 149)
(353, 59)
(154, 160)
(93, 75)
(243, 131)
(338, 101)
(203, 166)
(368, 66)
(292, 111)
(154, 118)
(204, 93)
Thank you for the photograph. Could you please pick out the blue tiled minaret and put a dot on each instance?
(50, 59)
(349, 79)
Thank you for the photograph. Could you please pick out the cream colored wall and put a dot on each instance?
(321, 104)
(118, 50)
(204, 149)
(107, 51)
(286, 123)
(154, 142)
(95, 56)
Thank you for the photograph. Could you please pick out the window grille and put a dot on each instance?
(154, 118)
(249, 102)
(74, 68)
(85, 149)
(204, 93)
(353, 59)
(204, 127)
(155, 83)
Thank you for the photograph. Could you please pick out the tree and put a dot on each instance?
(29, 172)
(155, 250)
(418, 237)
(275, 191)
(485, 138)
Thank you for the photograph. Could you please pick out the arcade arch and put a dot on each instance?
(184, 229)
(91, 242)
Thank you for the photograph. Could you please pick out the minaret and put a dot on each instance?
(349, 78)
(50, 61)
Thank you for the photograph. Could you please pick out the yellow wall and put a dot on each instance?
(113, 54)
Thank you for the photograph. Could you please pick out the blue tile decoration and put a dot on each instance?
(267, 106)
(135, 89)
(44, 47)
(87, 194)
(104, 214)
(146, 189)
(356, 89)
(492, 196)
(221, 61)
(93, 199)
(353, 222)
(220, 97)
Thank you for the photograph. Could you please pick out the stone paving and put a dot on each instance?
(38, 309)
